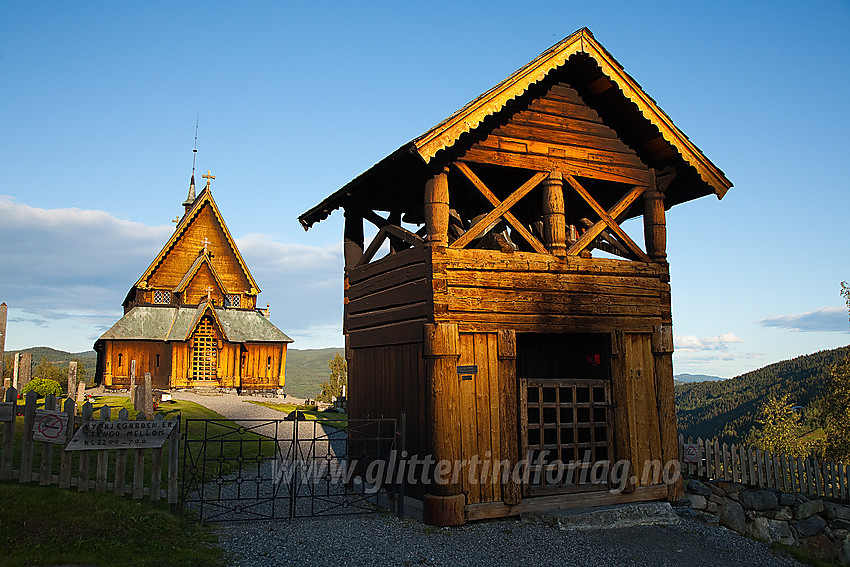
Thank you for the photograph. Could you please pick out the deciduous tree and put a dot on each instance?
(333, 387)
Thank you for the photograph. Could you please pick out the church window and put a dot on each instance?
(232, 300)
(162, 296)
(157, 361)
(120, 361)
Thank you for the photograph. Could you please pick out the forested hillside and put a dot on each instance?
(58, 358)
(727, 409)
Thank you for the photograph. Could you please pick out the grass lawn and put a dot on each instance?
(47, 526)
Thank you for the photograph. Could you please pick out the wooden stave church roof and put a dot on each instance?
(410, 165)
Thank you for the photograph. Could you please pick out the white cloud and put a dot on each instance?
(64, 273)
(829, 319)
(692, 343)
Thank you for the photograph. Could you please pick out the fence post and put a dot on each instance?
(173, 460)
(27, 444)
(139, 467)
(734, 461)
(46, 464)
(65, 462)
(8, 438)
(85, 458)
(121, 461)
(718, 470)
(103, 454)
(742, 459)
(156, 459)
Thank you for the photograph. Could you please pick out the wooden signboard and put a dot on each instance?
(50, 426)
(96, 435)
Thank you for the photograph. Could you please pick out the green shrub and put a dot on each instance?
(43, 387)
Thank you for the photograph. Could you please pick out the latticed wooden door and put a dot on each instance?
(565, 411)
(204, 352)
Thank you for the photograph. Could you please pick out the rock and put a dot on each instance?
(838, 524)
(716, 490)
(730, 487)
(709, 519)
(821, 547)
(717, 499)
(686, 513)
(845, 553)
(806, 509)
(696, 487)
(800, 498)
(813, 525)
(695, 501)
(839, 511)
(759, 529)
(758, 500)
(786, 499)
(783, 513)
(780, 531)
(840, 535)
(732, 516)
(828, 510)
(711, 507)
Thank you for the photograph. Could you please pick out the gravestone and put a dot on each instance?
(148, 399)
(14, 382)
(133, 384)
(81, 394)
(72, 378)
(25, 370)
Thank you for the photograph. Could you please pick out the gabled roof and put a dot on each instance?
(447, 133)
(205, 197)
(203, 258)
(177, 324)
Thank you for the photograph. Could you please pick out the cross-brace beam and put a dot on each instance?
(501, 209)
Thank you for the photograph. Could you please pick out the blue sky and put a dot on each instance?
(97, 111)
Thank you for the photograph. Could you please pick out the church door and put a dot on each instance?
(204, 352)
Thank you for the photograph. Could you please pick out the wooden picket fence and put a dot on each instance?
(754, 467)
(107, 477)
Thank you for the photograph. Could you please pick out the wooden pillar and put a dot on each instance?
(654, 222)
(353, 252)
(444, 505)
(621, 396)
(662, 350)
(554, 218)
(509, 424)
(437, 209)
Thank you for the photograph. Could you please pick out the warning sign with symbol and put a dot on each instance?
(691, 453)
(50, 426)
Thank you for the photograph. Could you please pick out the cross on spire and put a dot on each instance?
(209, 291)
(209, 177)
(206, 243)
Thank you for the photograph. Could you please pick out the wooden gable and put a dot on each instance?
(202, 228)
(558, 131)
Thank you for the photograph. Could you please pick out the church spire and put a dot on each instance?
(190, 200)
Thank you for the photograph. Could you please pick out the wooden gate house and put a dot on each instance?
(512, 316)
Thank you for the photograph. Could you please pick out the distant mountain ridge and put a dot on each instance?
(59, 357)
(690, 378)
(727, 408)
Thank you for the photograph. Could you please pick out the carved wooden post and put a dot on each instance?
(654, 222)
(437, 208)
(444, 506)
(508, 426)
(554, 218)
(662, 349)
(353, 252)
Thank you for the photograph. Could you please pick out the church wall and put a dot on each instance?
(263, 368)
(196, 291)
(150, 356)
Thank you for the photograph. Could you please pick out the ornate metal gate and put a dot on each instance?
(280, 469)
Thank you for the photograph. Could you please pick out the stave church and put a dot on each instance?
(191, 320)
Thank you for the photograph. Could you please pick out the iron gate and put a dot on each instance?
(264, 469)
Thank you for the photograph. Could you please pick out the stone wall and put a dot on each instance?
(765, 514)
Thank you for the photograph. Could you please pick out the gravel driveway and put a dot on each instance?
(386, 540)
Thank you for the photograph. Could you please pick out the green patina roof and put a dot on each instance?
(175, 324)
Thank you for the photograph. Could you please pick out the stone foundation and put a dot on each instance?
(765, 514)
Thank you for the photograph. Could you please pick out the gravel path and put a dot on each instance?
(385, 540)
